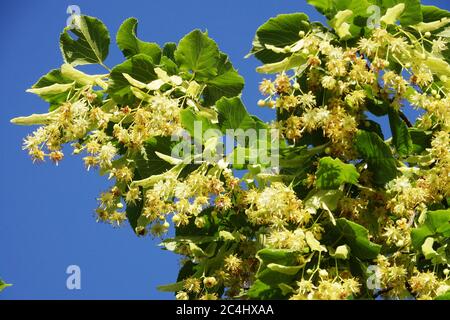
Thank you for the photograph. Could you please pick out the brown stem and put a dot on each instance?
(404, 118)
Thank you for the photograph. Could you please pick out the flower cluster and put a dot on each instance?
(276, 205)
(338, 288)
(327, 97)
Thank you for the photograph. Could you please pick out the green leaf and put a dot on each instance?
(437, 223)
(285, 289)
(187, 270)
(323, 6)
(393, 14)
(198, 240)
(130, 45)
(332, 173)
(279, 257)
(351, 27)
(196, 251)
(353, 235)
(437, 65)
(168, 65)
(81, 78)
(341, 23)
(285, 64)
(444, 296)
(329, 8)
(227, 236)
(140, 67)
(432, 13)
(281, 31)
(52, 90)
(358, 7)
(228, 83)
(54, 77)
(427, 248)
(438, 256)
(233, 115)
(169, 50)
(322, 199)
(173, 287)
(412, 14)
(377, 155)
(91, 45)
(277, 266)
(421, 140)
(197, 54)
(418, 235)
(4, 285)
(189, 117)
(150, 164)
(261, 290)
(299, 156)
(133, 213)
(289, 270)
(400, 134)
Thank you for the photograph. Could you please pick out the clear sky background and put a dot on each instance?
(46, 216)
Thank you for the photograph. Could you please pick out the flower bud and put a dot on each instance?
(200, 222)
(140, 230)
(271, 104)
(176, 219)
(323, 273)
(182, 296)
(209, 282)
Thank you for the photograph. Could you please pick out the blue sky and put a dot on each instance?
(46, 218)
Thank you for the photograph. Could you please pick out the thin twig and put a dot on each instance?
(404, 118)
